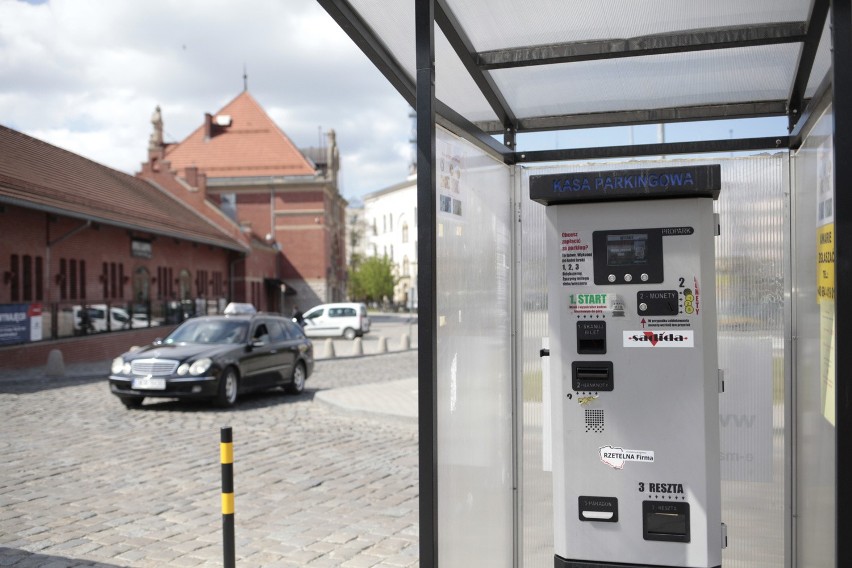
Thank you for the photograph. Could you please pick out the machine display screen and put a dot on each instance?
(628, 256)
(626, 249)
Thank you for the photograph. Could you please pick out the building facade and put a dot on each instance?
(239, 167)
(390, 222)
(76, 234)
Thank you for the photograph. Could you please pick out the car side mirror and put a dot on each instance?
(257, 343)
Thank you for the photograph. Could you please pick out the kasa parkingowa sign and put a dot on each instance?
(647, 183)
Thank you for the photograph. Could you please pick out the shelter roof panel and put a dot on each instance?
(760, 73)
(571, 62)
(499, 24)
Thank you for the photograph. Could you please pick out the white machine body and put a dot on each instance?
(635, 415)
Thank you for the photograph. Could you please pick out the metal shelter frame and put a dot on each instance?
(419, 92)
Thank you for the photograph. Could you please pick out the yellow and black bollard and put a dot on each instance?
(226, 451)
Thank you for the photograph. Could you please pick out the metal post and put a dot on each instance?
(226, 452)
(841, 27)
(424, 22)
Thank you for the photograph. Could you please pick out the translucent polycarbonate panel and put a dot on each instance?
(498, 24)
(822, 63)
(750, 267)
(815, 349)
(393, 24)
(474, 357)
(537, 494)
(454, 85)
(750, 287)
(659, 81)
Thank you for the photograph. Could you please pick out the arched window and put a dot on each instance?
(404, 232)
(141, 285)
(185, 285)
(405, 265)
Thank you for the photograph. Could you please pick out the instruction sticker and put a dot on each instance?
(616, 457)
(596, 303)
(576, 257)
(659, 338)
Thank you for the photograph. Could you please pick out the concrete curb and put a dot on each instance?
(396, 400)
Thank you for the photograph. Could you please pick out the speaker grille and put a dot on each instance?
(595, 421)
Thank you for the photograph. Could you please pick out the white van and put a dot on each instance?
(347, 320)
(93, 318)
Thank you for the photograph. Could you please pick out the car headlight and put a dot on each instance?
(183, 369)
(200, 366)
(118, 366)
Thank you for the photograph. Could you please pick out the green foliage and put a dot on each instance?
(372, 279)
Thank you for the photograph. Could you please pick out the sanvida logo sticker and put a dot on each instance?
(659, 338)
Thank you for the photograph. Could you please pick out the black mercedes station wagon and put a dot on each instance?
(216, 358)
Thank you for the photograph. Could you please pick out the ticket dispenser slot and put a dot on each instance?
(591, 337)
(665, 521)
(631, 279)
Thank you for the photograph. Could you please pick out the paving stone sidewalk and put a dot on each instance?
(85, 482)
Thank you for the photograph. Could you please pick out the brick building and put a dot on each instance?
(239, 167)
(77, 233)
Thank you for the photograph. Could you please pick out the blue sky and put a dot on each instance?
(86, 75)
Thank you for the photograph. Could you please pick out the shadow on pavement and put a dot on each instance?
(22, 558)
(34, 385)
(248, 401)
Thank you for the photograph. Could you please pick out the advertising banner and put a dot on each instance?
(20, 323)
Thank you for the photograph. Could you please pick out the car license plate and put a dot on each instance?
(148, 383)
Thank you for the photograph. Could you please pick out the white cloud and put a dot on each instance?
(86, 75)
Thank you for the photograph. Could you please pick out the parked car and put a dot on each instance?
(140, 319)
(93, 318)
(239, 308)
(216, 358)
(349, 320)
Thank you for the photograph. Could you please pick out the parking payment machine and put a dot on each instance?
(634, 375)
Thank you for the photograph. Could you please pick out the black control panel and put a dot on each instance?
(658, 303)
(628, 256)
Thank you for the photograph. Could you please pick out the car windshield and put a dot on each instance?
(209, 331)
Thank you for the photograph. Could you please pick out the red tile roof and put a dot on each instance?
(38, 175)
(251, 146)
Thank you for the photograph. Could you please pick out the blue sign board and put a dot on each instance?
(14, 323)
(643, 183)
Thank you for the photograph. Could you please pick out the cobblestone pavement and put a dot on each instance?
(84, 482)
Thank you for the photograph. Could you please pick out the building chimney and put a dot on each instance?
(208, 126)
(202, 183)
(192, 176)
(332, 157)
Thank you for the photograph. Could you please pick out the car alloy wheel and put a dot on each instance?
(228, 386)
(297, 385)
(349, 333)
